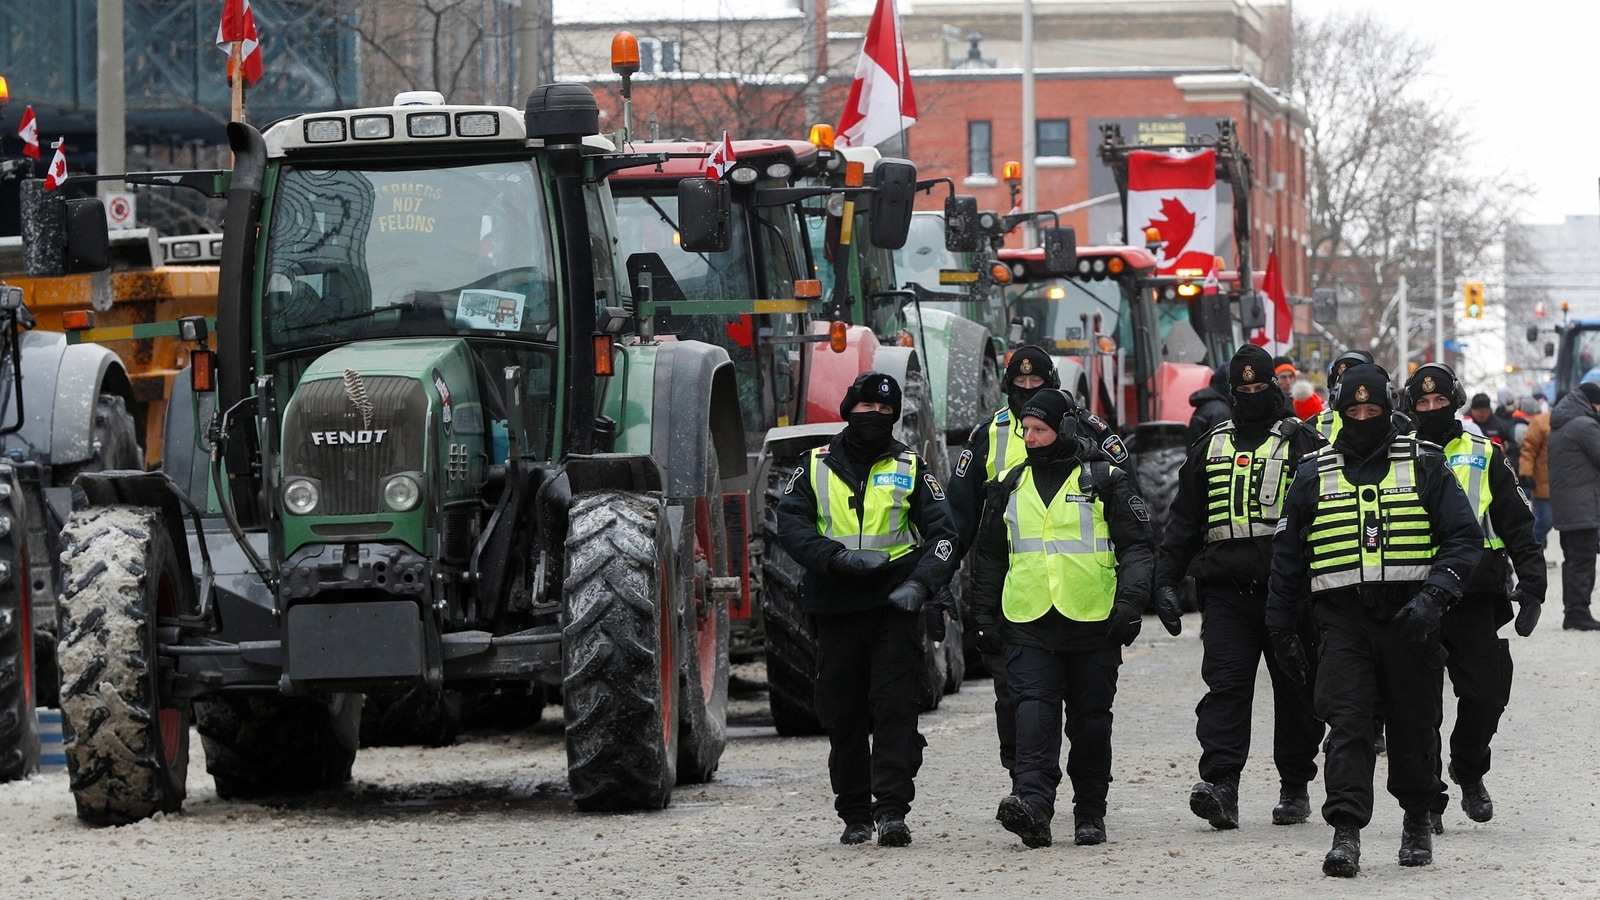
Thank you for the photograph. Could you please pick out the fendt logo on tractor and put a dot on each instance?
(334, 438)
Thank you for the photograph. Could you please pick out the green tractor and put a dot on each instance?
(431, 451)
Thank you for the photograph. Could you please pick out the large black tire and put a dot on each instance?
(127, 747)
(1157, 473)
(268, 745)
(917, 430)
(790, 643)
(954, 654)
(19, 727)
(418, 717)
(620, 683)
(703, 642)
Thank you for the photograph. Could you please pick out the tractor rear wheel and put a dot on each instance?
(127, 747)
(620, 687)
(703, 642)
(19, 727)
(791, 646)
(268, 745)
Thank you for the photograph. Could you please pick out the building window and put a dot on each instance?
(658, 56)
(980, 148)
(1052, 137)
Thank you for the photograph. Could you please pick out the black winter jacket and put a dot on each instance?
(1211, 408)
(1574, 449)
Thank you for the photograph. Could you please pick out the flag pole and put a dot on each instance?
(236, 80)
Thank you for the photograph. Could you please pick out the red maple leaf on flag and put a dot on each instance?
(1176, 229)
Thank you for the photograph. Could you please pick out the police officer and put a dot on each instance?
(1479, 660)
(870, 525)
(993, 448)
(1230, 496)
(1062, 571)
(1380, 535)
(1326, 423)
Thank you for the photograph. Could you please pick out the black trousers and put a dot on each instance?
(1363, 660)
(1578, 550)
(1233, 633)
(867, 665)
(1479, 663)
(1044, 681)
(1005, 712)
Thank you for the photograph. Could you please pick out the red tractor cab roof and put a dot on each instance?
(800, 156)
(1093, 262)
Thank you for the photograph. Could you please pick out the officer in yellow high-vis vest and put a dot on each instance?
(870, 524)
(1479, 660)
(1231, 491)
(1380, 536)
(1061, 572)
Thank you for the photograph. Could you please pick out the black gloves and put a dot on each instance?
(1418, 620)
(1528, 615)
(1290, 653)
(1169, 610)
(1528, 483)
(1127, 617)
(909, 596)
(858, 562)
(933, 614)
(986, 639)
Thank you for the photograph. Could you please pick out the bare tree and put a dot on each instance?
(461, 48)
(1387, 170)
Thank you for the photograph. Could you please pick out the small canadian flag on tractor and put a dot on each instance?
(29, 131)
(721, 159)
(238, 26)
(57, 172)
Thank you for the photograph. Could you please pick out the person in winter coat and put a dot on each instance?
(1575, 498)
(869, 523)
(1533, 470)
(1211, 406)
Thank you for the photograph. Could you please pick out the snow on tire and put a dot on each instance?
(127, 752)
(620, 681)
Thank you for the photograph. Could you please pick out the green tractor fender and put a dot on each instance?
(960, 366)
(678, 403)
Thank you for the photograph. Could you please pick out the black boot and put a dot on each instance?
(1025, 820)
(1579, 619)
(1436, 822)
(1344, 859)
(1416, 840)
(1088, 830)
(1475, 802)
(1294, 805)
(1216, 803)
(856, 833)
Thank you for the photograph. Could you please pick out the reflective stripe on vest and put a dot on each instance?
(1006, 447)
(1326, 424)
(1061, 554)
(1469, 455)
(1245, 489)
(885, 520)
(1373, 533)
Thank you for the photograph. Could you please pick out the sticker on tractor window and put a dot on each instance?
(892, 479)
(444, 396)
(490, 310)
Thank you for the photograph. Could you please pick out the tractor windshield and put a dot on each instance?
(649, 224)
(395, 251)
(1063, 311)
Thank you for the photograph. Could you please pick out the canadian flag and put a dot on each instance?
(1212, 285)
(1277, 336)
(880, 104)
(1175, 194)
(238, 25)
(30, 134)
(57, 172)
(721, 159)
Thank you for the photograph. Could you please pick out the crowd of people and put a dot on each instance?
(1365, 545)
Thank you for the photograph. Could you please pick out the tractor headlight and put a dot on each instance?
(301, 495)
(402, 493)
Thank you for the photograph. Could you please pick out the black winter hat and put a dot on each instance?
(871, 387)
(1032, 360)
(1250, 365)
(1481, 401)
(1053, 407)
(1433, 378)
(1363, 383)
(1344, 361)
(1590, 391)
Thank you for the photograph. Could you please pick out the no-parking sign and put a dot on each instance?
(120, 209)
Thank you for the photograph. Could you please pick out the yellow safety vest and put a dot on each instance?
(1469, 455)
(1245, 488)
(1326, 423)
(1061, 554)
(1006, 447)
(884, 520)
(1372, 533)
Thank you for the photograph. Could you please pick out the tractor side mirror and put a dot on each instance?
(1252, 312)
(88, 242)
(1060, 250)
(704, 215)
(1213, 314)
(1533, 333)
(1549, 348)
(896, 184)
(961, 224)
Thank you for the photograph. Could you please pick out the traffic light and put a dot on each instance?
(1472, 291)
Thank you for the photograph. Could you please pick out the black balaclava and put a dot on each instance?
(1027, 360)
(1057, 409)
(1254, 411)
(868, 433)
(1364, 383)
(1442, 425)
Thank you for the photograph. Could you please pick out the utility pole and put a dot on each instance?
(110, 118)
(535, 46)
(1438, 286)
(1030, 196)
(1405, 330)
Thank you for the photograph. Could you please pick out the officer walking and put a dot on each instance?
(1230, 496)
(1062, 571)
(1326, 423)
(869, 523)
(992, 450)
(1380, 535)
(1479, 660)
